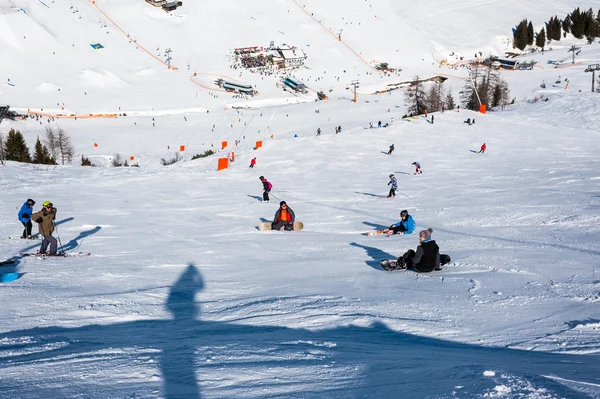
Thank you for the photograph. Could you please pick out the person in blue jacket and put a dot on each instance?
(25, 217)
(405, 226)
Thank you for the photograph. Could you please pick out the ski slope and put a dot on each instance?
(183, 297)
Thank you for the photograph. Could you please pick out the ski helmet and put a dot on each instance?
(282, 203)
(30, 202)
(261, 178)
(47, 203)
(404, 213)
(391, 176)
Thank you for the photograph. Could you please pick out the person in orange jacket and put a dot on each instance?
(284, 217)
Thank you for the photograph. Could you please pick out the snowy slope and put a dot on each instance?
(183, 297)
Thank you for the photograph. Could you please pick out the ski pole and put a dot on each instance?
(274, 196)
(58, 236)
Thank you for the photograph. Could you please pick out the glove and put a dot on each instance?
(25, 215)
(391, 227)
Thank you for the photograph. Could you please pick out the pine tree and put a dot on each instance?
(566, 25)
(530, 34)
(15, 147)
(549, 29)
(577, 23)
(557, 28)
(415, 98)
(41, 154)
(449, 101)
(2, 155)
(540, 40)
(520, 36)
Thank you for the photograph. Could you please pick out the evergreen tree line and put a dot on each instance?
(579, 23)
(56, 145)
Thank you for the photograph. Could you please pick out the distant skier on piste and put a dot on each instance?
(253, 162)
(394, 183)
(483, 148)
(45, 220)
(391, 150)
(406, 225)
(418, 170)
(25, 217)
(267, 186)
(284, 217)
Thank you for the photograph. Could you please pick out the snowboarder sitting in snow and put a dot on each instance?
(418, 170)
(45, 220)
(391, 150)
(284, 217)
(267, 186)
(427, 258)
(468, 121)
(405, 226)
(394, 184)
(25, 217)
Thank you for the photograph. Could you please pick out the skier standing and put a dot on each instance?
(25, 217)
(405, 226)
(391, 150)
(394, 184)
(253, 162)
(45, 220)
(418, 170)
(318, 131)
(483, 147)
(284, 217)
(267, 186)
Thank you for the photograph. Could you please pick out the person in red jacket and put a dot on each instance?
(253, 162)
(284, 217)
(483, 147)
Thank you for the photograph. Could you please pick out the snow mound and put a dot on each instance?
(101, 78)
(48, 86)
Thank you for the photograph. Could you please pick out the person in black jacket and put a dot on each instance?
(427, 258)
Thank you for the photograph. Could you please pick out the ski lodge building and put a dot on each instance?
(289, 57)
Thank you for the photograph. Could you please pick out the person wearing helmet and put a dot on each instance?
(25, 217)
(267, 186)
(394, 184)
(405, 226)
(284, 217)
(45, 220)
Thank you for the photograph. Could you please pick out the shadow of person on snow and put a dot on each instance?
(233, 359)
(376, 254)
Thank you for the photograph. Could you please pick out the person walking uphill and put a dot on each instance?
(284, 217)
(45, 220)
(267, 186)
(405, 226)
(25, 217)
(394, 184)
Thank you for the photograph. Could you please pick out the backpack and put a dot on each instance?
(269, 185)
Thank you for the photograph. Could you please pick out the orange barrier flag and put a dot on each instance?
(223, 145)
(258, 145)
(223, 163)
(182, 148)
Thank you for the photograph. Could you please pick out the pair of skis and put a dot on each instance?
(58, 255)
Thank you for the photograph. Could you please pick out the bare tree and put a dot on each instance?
(434, 97)
(65, 146)
(59, 144)
(50, 142)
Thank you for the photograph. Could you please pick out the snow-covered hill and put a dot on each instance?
(182, 296)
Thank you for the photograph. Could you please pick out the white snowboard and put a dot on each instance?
(267, 226)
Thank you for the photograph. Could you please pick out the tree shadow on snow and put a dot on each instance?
(237, 360)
